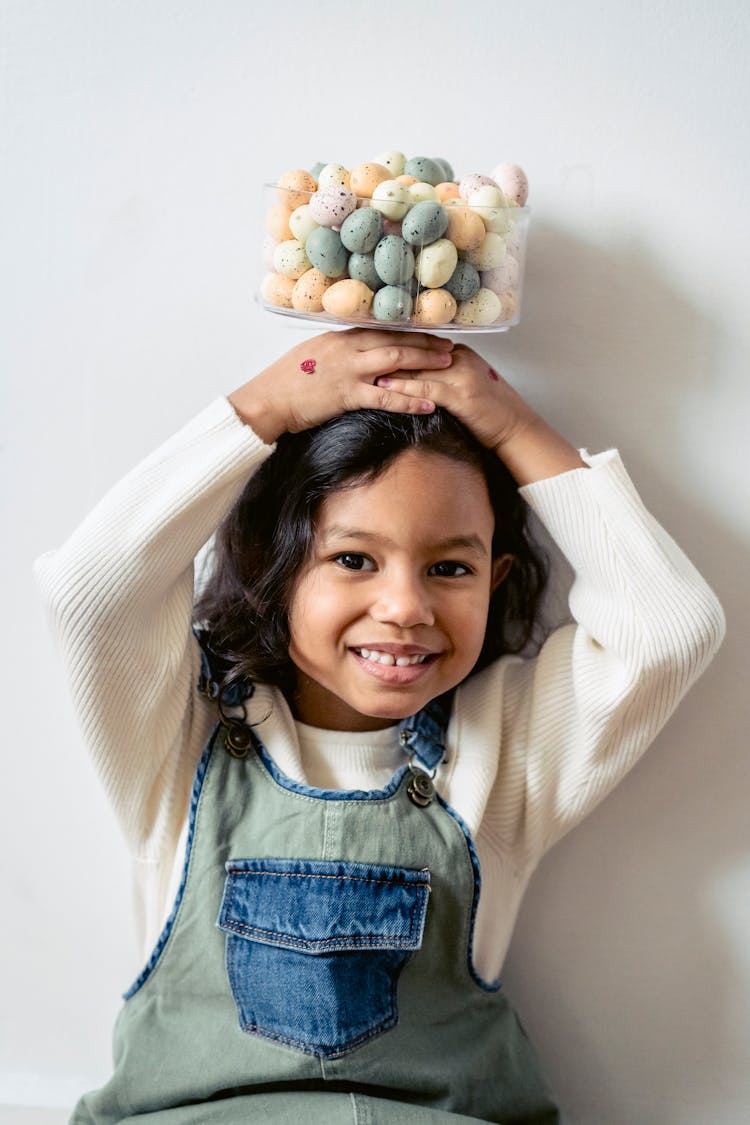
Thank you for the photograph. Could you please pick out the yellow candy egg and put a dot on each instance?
(465, 228)
(290, 259)
(435, 263)
(307, 294)
(421, 192)
(490, 254)
(481, 309)
(393, 161)
(392, 199)
(295, 188)
(349, 299)
(277, 290)
(365, 178)
(434, 306)
(333, 176)
(301, 222)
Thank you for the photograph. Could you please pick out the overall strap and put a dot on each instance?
(422, 736)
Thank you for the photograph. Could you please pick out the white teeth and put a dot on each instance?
(377, 657)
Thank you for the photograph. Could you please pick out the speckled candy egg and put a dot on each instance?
(301, 222)
(290, 259)
(445, 165)
(295, 188)
(392, 303)
(419, 192)
(490, 254)
(327, 252)
(394, 260)
(480, 310)
(362, 268)
(446, 191)
(425, 168)
(317, 169)
(436, 263)
(333, 176)
(277, 290)
(473, 181)
(331, 207)
(349, 299)
(307, 295)
(425, 223)
(465, 228)
(393, 161)
(490, 203)
(362, 230)
(511, 178)
(504, 277)
(365, 178)
(464, 282)
(434, 306)
(392, 199)
(277, 222)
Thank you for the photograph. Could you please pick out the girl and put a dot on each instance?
(372, 728)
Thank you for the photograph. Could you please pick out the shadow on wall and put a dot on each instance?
(622, 962)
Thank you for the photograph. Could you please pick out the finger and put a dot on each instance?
(377, 398)
(401, 357)
(377, 338)
(406, 384)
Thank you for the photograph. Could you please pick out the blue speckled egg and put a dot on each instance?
(394, 260)
(464, 282)
(317, 169)
(447, 169)
(327, 252)
(426, 169)
(362, 268)
(362, 230)
(424, 223)
(392, 303)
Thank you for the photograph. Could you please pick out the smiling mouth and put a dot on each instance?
(390, 660)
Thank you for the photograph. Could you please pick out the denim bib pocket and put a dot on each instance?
(314, 949)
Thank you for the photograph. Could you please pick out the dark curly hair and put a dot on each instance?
(259, 549)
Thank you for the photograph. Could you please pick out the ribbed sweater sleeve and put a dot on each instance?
(577, 717)
(119, 596)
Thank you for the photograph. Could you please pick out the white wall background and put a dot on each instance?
(134, 139)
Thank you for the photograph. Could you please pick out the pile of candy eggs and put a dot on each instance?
(398, 242)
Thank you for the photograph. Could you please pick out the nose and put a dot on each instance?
(402, 599)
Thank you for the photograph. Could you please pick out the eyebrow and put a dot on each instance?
(469, 542)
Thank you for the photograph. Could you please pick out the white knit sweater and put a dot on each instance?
(533, 745)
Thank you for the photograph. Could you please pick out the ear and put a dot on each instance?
(500, 570)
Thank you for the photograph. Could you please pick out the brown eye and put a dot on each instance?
(350, 560)
(449, 569)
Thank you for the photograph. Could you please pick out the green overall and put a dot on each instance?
(317, 964)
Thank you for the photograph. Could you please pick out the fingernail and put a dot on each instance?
(446, 343)
(493, 375)
(426, 407)
(384, 382)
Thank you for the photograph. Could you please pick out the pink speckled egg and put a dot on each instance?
(469, 184)
(331, 207)
(434, 306)
(511, 179)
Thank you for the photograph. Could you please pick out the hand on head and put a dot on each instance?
(288, 397)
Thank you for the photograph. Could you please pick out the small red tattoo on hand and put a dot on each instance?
(493, 374)
(308, 366)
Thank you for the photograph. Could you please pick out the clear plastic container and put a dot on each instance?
(425, 265)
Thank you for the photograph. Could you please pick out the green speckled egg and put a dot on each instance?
(362, 268)
(362, 230)
(392, 303)
(424, 223)
(394, 260)
(447, 169)
(464, 282)
(426, 169)
(317, 169)
(327, 252)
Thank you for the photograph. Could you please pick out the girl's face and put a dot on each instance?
(390, 609)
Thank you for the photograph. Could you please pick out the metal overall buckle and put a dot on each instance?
(421, 788)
